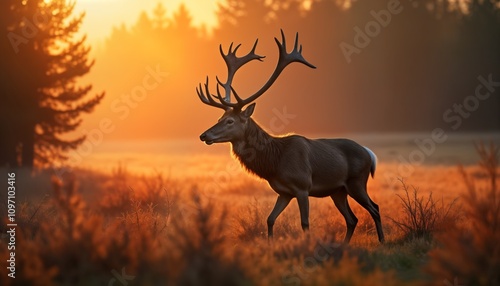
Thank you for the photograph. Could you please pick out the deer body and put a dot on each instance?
(293, 165)
(321, 165)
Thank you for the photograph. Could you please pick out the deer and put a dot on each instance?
(294, 166)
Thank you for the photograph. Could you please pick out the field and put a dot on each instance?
(442, 226)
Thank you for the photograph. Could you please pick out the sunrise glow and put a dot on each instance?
(102, 15)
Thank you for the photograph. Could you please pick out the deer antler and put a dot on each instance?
(234, 63)
(208, 99)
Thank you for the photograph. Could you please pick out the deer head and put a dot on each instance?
(232, 125)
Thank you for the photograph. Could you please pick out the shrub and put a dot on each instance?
(422, 216)
(201, 244)
(251, 223)
(470, 253)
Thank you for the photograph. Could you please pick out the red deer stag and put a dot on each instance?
(294, 166)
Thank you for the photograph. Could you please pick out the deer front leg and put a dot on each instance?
(303, 201)
(281, 203)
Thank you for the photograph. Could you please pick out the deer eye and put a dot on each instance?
(230, 121)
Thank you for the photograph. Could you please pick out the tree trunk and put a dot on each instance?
(28, 148)
(8, 156)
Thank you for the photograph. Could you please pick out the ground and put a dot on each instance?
(90, 228)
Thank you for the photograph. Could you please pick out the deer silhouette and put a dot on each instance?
(293, 165)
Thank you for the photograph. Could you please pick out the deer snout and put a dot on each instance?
(205, 138)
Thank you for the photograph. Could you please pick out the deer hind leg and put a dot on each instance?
(281, 203)
(303, 201)
(357, 190)
(339, 197)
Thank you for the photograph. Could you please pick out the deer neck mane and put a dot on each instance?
(258, 151)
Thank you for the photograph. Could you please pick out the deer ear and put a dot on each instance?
(249, 110)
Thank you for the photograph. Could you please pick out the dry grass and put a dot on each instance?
(158, 231)
(423, 216)
(470, 252)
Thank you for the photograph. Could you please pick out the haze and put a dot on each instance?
(405, 77)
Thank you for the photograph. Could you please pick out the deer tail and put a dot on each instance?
(373, 158)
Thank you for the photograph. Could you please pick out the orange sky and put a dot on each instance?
(102, 15)
(344, 97)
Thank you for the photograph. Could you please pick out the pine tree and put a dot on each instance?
(182, 20)
(143, 25)
(234, 14)
(41, 100)
(159, 18)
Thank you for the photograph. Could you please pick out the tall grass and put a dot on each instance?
(422, 215)
(158, 231)
(470, 254)
(201, 245)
